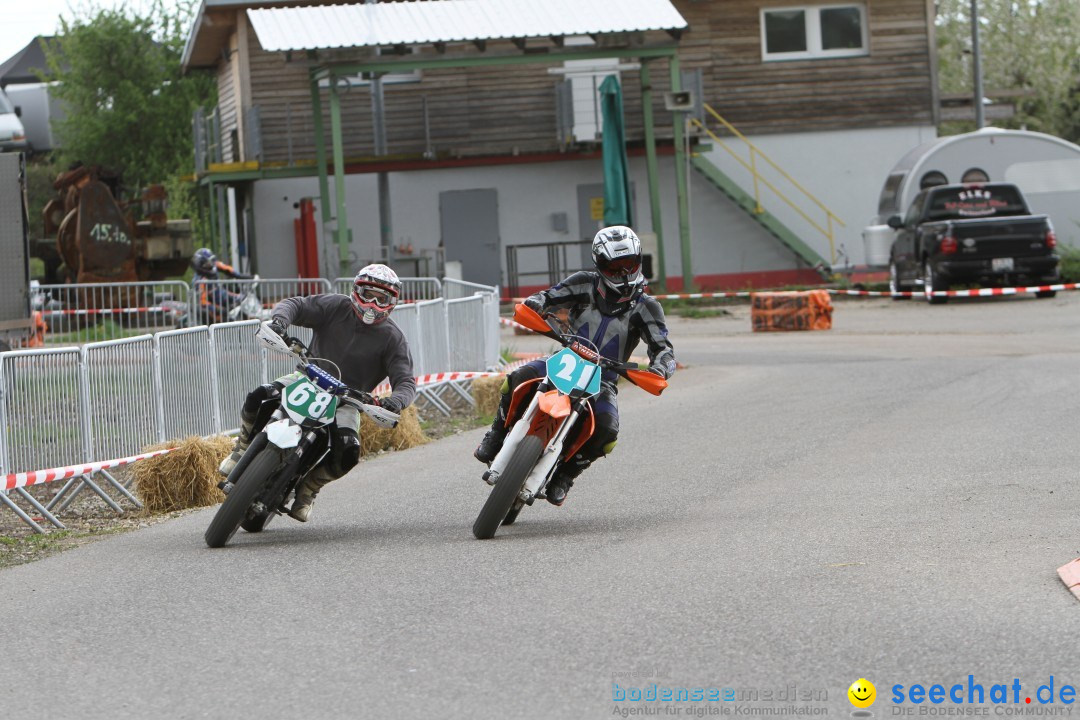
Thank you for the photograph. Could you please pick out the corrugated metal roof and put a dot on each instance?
(447, 21)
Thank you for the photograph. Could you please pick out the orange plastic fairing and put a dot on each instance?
(555, 404)
(520, 393)
(525, 315)
(584, 432)
(650, 382)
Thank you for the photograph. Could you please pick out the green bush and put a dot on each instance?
(1070, 264)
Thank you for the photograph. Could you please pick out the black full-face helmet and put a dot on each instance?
(616, 253)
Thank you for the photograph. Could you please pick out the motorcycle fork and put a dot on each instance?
(517, 431)
(549, 458)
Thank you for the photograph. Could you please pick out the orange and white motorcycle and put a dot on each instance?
(545, 431)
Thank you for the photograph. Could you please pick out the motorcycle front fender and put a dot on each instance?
(284, 433)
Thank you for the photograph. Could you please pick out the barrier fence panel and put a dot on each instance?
(237, 369)
(454, 289)
(218, 301)
(185, 366)
(89, 312)
(492, 342)
(465, 320)
(434, 337)
(39, 409)
(122, 396)
(407, 318)
(412, 288)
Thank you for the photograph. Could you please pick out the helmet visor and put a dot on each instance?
(620, 268)
(375, 295)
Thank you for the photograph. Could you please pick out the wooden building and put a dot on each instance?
(832, 92)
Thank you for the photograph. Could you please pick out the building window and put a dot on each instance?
(798, 33)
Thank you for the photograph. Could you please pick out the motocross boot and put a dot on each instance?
(493, 440)
(564, 479)
(305, 497)
(231, 460)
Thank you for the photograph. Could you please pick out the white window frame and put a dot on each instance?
(813, 51)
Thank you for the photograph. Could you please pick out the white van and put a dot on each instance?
(12, 135)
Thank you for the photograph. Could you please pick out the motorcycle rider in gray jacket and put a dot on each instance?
(357, 336)
(610, 309)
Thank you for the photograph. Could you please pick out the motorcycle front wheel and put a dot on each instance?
(506, 490)
(234, 510)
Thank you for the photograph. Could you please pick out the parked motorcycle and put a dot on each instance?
(295, 439)
(545, 432)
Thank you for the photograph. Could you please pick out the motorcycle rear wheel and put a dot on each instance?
(234, 510)
(506, 490)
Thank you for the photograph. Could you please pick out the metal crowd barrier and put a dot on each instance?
(462, 315)
(412, 288)
(435, 337)
(41, 411)
(238, 367)
(185, 364)
(454, 289)
(111, 398)
(88, 312)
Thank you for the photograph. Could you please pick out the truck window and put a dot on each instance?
(976, 202)
(915, 211)
(5, 104)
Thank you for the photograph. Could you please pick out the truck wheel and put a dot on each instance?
(1046, 293)
(931, 284)
(894, 282)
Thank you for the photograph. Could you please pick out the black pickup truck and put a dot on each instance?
(971, 234)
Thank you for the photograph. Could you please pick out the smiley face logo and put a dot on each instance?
(862, 693)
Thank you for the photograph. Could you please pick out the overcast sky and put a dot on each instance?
(23, 20)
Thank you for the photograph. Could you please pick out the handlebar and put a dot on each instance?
(644, 379)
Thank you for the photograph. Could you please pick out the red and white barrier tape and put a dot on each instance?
(23, 479)
(103, 311)
(977, 292)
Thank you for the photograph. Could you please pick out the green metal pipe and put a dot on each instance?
(320, 151)
(678, 120)
(653, 171)
(341, 230)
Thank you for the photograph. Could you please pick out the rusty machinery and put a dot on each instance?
(97, 238)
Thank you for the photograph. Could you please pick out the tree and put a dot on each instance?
(1032, 46)
(128, 104)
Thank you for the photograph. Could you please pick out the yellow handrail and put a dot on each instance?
(759, 179)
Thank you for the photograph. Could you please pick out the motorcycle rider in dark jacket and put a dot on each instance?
(610, 309)
(356, 334)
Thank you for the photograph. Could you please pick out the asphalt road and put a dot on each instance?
(886, 500)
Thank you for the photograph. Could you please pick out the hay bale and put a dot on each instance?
(184, 478)
(486, 393)
(407, 434)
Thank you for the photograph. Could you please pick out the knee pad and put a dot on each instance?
(505, 387)
(257, 397)
(344, 451)
(609, 447)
